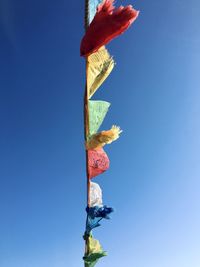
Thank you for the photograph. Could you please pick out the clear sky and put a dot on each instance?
(154, 179)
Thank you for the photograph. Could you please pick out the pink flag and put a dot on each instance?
(108, 23)
(98, 162)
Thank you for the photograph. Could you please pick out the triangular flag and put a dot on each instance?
(98, 162)
(97, 113)
(100, 65)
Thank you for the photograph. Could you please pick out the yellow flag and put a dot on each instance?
(94, 245)
(105, 137)
(95, 252)
(100, 65)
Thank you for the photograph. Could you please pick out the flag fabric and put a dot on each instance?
(94, 215)
(95, 195)
(100, 65)
(105, 137)
(98, 162)
(92, 9)
(91, 223)
(95, 252)
(108, 23)
(103, 23)
(97, 113)
(99, 212)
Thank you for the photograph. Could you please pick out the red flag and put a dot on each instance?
(98, 162)
(108, 23)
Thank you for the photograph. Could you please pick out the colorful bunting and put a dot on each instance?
(98, 162)
(108, 23)
(103, 23)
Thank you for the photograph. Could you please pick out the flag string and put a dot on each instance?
(103, 22)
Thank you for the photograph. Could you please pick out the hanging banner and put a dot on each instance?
(95, 195)
(100, 65)
(105, 137)
(97, 113)
(98, 162)
(108, 23)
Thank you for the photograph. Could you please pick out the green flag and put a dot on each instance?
(97, 113)
(95, 252)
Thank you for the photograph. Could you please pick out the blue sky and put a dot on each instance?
(153, 182)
